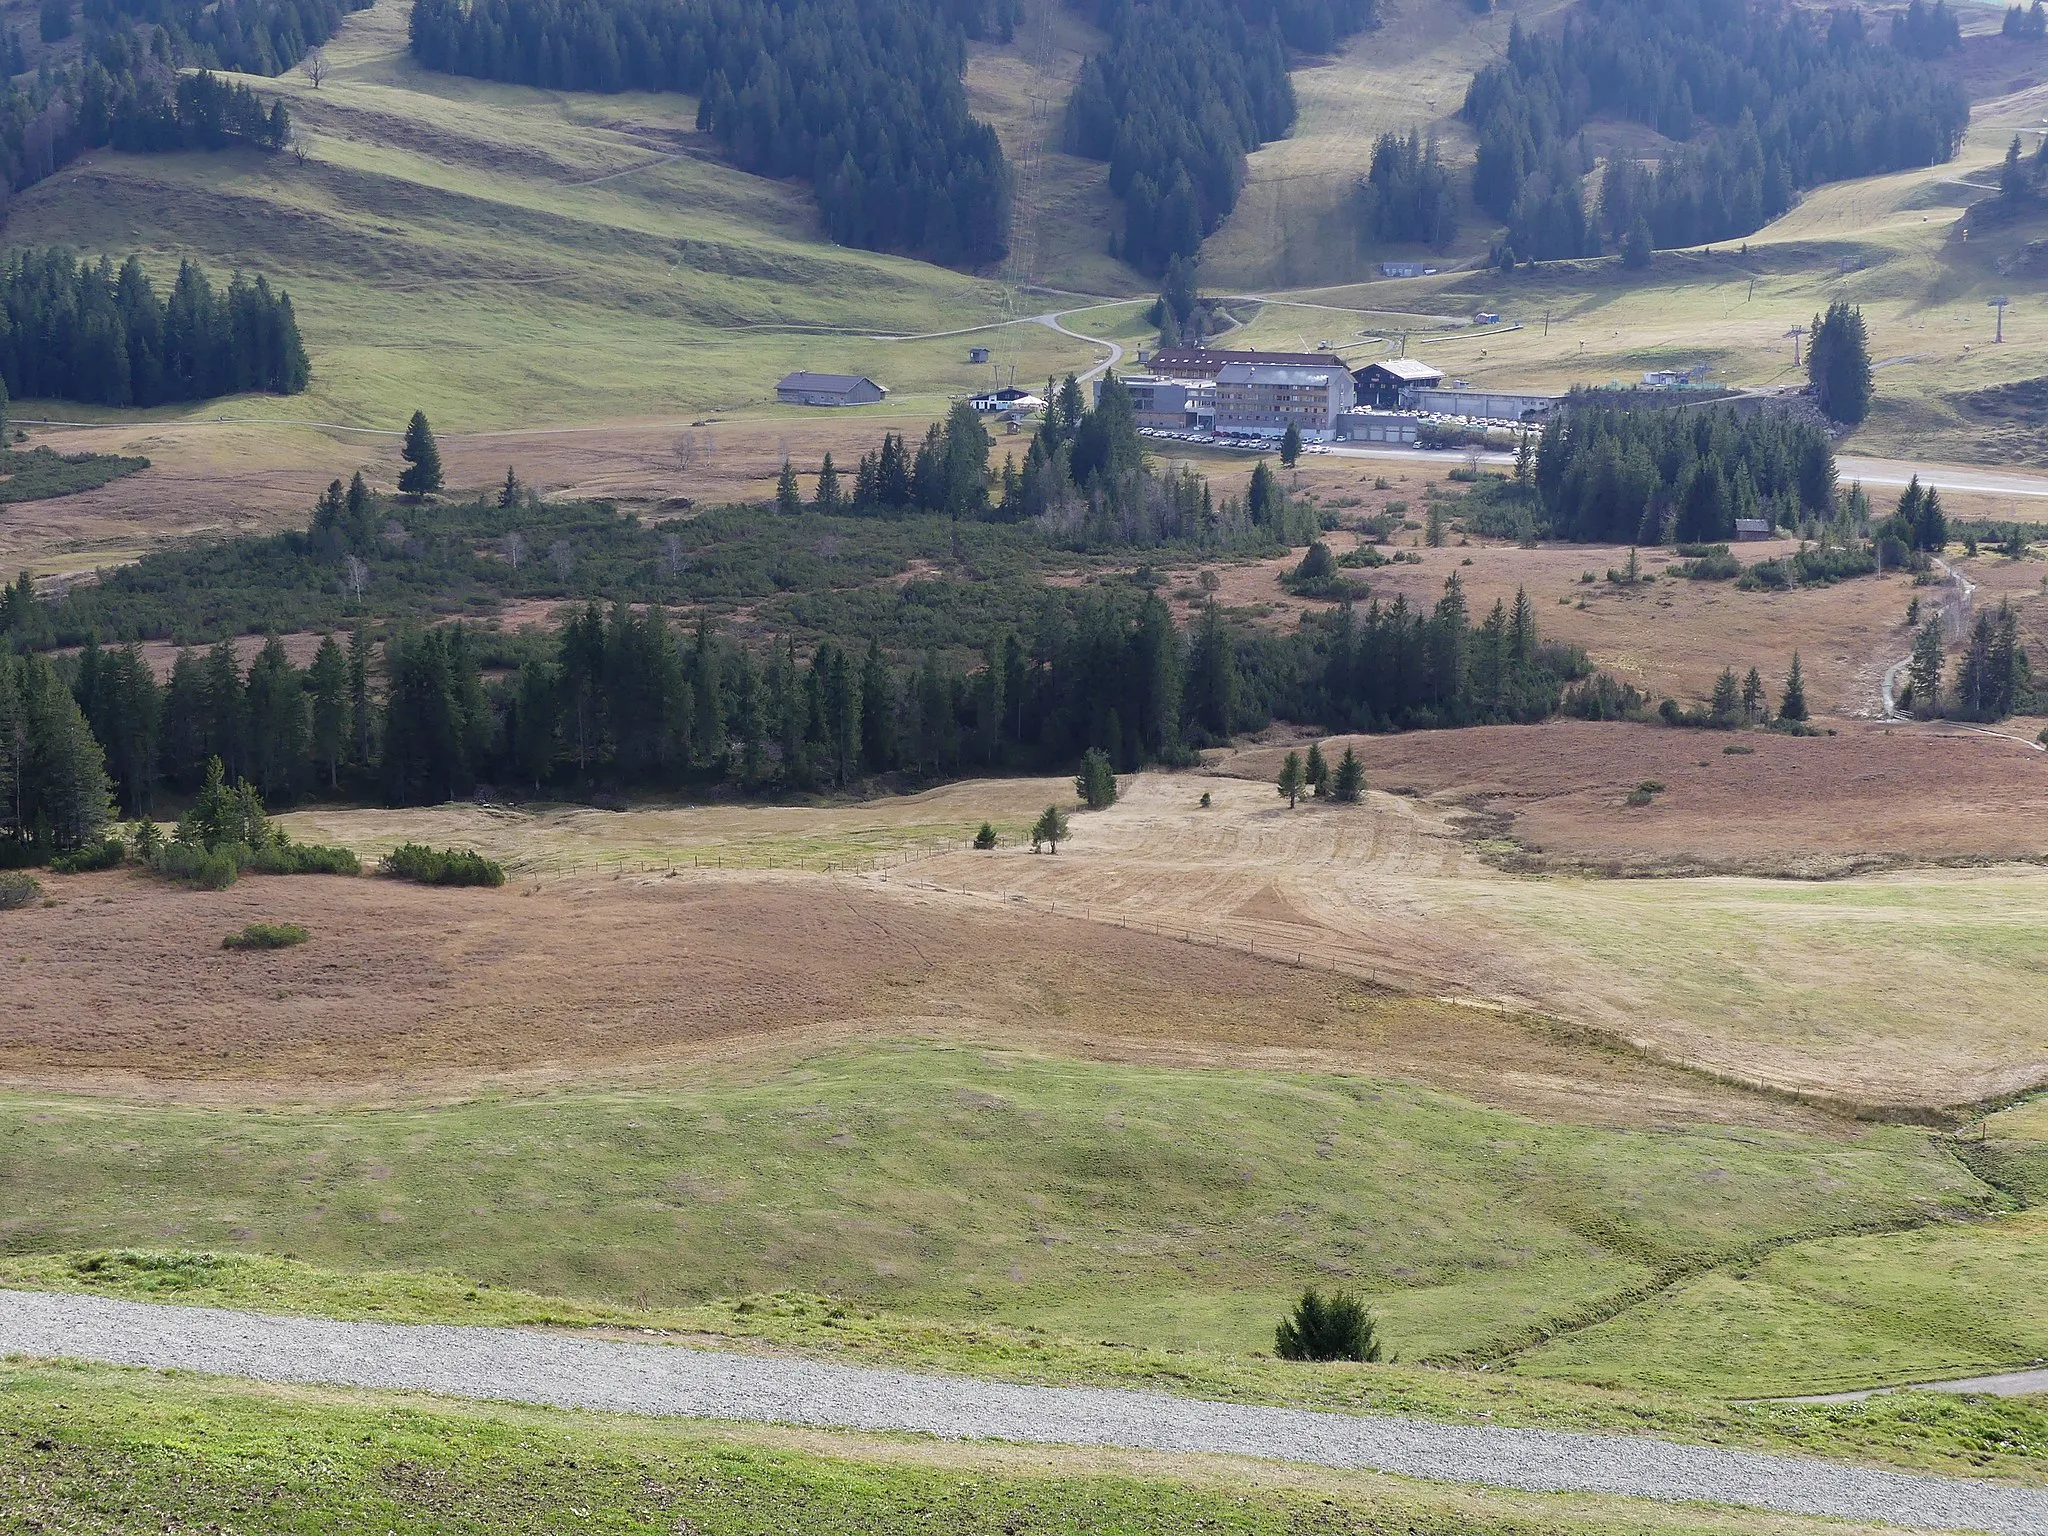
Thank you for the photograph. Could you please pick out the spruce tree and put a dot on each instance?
(1096, 782)
(1315, 772)
(1290, 446)
(327, 680)
(1838, 364)
(1727, 697)
(1792, 706)
(1923, 675)
(828, 486)
(508, 493)
(1753, 696)
(1291, 777)
(1349, 787)
(422, 473)
(788, 498)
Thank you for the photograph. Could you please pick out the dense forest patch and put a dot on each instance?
(1763, 103)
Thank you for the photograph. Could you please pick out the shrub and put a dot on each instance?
(284, 857)
(108, 853)
(442, 866)
(985, 839)
(18, 889)
(210, 869)
(1337, 1327)
(266, 936)
(1717, 566)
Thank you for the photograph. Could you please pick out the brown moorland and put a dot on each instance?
(1874, 794)
(122, 987)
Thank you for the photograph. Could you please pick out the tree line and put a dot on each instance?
(1184, 92)
(2027, 24)
(1655, 477)
(125, 91)
(1764, 103)
(865, 98)
(79, 330)
(1992, 677)
(247, 37)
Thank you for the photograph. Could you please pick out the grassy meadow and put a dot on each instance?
(504, 257)
(1178, 1209)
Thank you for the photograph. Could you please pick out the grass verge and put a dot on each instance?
(1922, 1431)
(98, 1449)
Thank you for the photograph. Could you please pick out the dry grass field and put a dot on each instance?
(404, 991)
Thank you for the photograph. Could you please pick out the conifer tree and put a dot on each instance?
(327, 681)
(362, 725)
(1923, 675)
(1290, 446)
(1315, 772)
(1753, 696)
(1291, 777)
(1838, 364)
(1349, 787)
(1792, 706)
(828, 486)
(789, 500)
(1727, 697)
(1050, 828)
(422, 473)
(508, 493)
(1096, 782)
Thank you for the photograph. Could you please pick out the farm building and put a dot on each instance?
(1208, 362)
(1263, 399)
(1380, 384)
(830, 389)
(1747, 528)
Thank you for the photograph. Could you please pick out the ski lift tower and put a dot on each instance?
(1999, 304)
(1795, 333)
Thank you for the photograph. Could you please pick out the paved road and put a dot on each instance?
(514, 1365)
(1949, 477)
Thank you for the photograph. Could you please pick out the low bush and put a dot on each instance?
(266, 936)
(284, 857)
(1718, 566)
(1337, 1327)
(18, 889)
(209, 869)
(108, 853)
(442, 866)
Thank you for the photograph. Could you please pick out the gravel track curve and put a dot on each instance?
(530, 1367)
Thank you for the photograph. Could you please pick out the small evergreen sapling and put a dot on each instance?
(1335, 1327)
(985, 839)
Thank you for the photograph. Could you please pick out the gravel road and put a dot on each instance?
(528, 1367)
